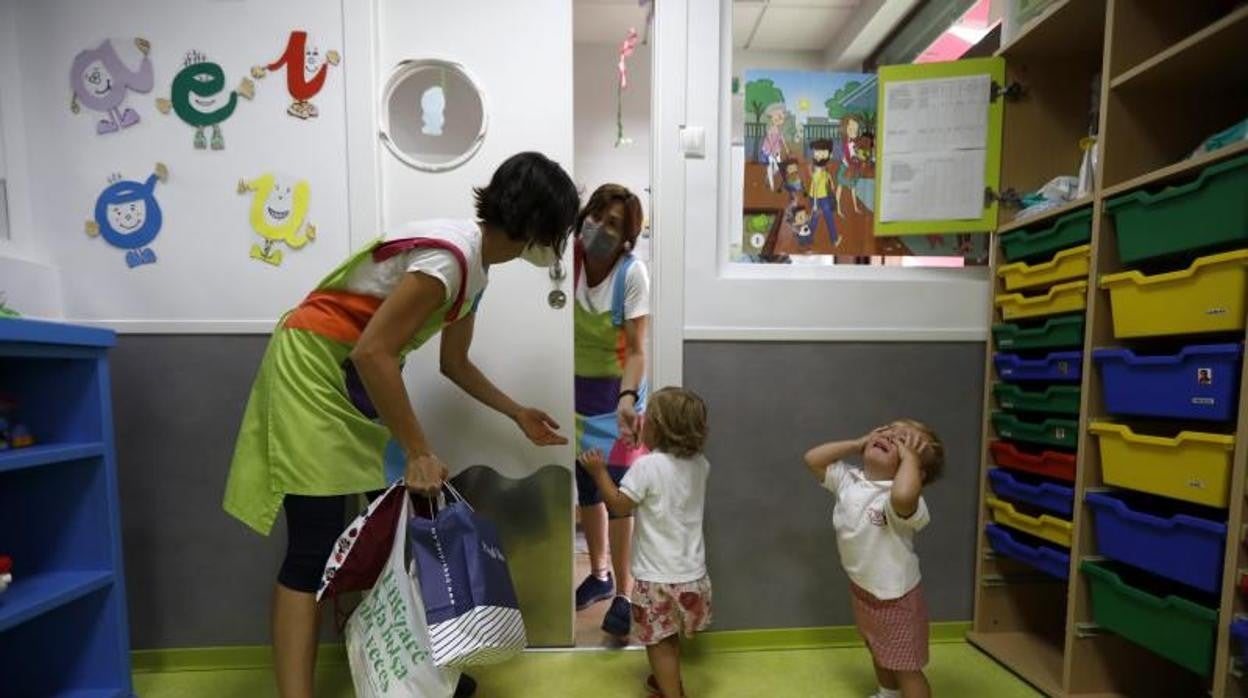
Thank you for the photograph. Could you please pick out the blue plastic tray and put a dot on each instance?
(1057, 367)
(1239, 633)
(1049, 496)
(1048, 560)
(1199, 382)
(1180, 547)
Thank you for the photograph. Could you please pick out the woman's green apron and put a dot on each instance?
(601, 352)
(309, 428)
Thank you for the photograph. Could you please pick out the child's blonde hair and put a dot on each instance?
(678, 418)
(932, 457)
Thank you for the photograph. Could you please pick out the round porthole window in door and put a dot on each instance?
(433, 114)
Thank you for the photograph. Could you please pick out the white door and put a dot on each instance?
(520, 55)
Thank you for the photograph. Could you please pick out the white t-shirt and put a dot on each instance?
(667, 523)
(876, 544)
(597, 299)
(379, 280)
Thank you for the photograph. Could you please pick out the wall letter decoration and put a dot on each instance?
(128, 216)
(199, 98)
(279, 211)
(305, 72)
(100, 78)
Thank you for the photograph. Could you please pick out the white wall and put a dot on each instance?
(774, 302)
(597, 160)
(28, 282)
(747, 59)
(204, 279)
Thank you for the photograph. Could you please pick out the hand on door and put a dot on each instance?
(539, 427)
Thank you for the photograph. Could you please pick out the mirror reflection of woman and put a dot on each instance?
(612, 316)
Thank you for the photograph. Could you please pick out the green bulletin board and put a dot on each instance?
(995, 69)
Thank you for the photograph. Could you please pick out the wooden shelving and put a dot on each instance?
(1202, 53)
(1045, 217)
(1067, 28)
(1035, 659)
(1177, 171)
(1166, 63)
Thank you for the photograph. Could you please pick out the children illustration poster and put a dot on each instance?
(810, 163)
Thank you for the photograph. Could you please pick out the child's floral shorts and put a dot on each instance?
(662, 610)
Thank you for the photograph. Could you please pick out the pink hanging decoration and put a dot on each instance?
(626, 50)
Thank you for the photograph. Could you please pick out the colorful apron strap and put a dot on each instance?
(620, 290)
(386, 250)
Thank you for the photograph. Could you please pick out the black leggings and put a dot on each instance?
(313, 525)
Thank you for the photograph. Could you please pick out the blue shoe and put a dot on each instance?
(593, 590)
(619, 618)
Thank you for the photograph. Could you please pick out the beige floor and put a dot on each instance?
(589, 621)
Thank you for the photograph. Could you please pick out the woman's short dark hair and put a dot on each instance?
(530, 197)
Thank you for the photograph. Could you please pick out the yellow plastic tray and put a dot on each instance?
(1193, 466)
(1062, 298)
(1050, 528)
(1065, 265)
(1206, 297)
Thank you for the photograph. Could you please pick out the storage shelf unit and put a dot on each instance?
(1093, 631)
(63, 625)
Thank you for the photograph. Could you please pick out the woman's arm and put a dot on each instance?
(376, 358)
(634, 368)
(460, 370)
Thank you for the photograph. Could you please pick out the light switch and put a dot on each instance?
(693, 141)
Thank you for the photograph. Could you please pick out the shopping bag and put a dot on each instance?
(470, 602)
(388, 643)
(361, 552)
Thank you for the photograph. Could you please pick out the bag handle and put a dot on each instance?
(438, 503)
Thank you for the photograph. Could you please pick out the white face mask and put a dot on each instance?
(539, 256)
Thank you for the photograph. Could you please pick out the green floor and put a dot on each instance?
(956, 669)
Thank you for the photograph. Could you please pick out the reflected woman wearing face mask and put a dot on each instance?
(612, 314)
(329, 395)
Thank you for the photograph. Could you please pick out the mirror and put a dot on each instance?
(433, 115)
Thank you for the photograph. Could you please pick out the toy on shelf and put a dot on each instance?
(13, 434)
(6, 572)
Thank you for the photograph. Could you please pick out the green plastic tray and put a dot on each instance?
(1056, 399)
(1063, 433)
(1055, 333)
(1206, 213)
(1029, 244)
(1182, 631)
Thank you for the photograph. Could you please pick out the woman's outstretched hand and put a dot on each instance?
(539, 427)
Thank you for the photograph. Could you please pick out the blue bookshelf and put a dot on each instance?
(63, 629)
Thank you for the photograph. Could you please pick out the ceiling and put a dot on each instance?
(762, 25)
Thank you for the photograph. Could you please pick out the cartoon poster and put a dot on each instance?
(810, 167)
(128, 217)
(279, 214)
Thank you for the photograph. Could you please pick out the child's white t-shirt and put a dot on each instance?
(667, 523)
(876, 544)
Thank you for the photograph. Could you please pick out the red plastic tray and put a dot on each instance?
(1049, 463)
